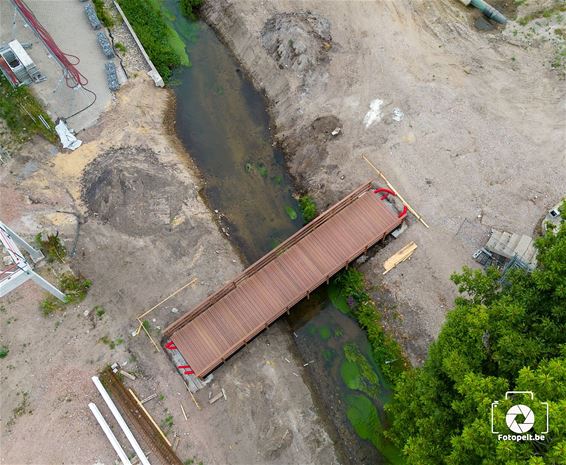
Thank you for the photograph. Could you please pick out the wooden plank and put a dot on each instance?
(400, 256)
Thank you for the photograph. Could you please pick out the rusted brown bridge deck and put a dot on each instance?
(229, 318)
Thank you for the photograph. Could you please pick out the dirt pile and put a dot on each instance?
(129, 188)
(298, 41)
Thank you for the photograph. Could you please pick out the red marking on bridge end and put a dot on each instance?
(171, 345)
(404, 212)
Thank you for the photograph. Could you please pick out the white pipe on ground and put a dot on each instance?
(120, 420)
(109, 434)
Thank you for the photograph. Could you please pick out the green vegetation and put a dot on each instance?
(363, 416)
(308, 208)
(21, 409)
(102, 13)
(163, 45)
(120, 47)
(21, 110)
(291, 213)
(99, 311)
(545, 13)
(4, 351)
(497, 338)
(190, 8)
(52, 247)
(111, 343)
(385, 350)
(75, 288)
(367, 380)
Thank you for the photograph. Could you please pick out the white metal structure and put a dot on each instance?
(120, 420)
(109, 434)
(19, 270)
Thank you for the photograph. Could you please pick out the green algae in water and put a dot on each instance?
(324, 333)
(328, 354)
(368, 380)
(338, 299)
(291, 213)
(262, 170)
(278, 180)
(363, 416)
(350, 374)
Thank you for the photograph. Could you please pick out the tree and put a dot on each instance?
(498, 337)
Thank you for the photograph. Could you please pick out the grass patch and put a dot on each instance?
(4, 351)
(161, 42)
(385, 349)
(111, 343)
(545, 13)
(308, 208)
(102, 13)
(52, 247)
(120, 47)
(75, 288)
(16, 106)
(99, 311)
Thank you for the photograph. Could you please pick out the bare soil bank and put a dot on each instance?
(145, 232)
(468, 126)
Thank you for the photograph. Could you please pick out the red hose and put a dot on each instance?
(66, 60)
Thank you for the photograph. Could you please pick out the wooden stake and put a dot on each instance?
(192, 281)
(149, 417)
(192, 397)
(183, 410)
(149, 336)
(419, 217)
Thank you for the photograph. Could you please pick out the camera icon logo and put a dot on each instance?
(520, 418)
(516, 411)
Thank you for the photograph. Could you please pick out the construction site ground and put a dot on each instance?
(480, 144)
(67, 23)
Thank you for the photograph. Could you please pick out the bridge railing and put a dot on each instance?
(267, 258)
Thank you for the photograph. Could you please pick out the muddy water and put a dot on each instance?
(223, 122)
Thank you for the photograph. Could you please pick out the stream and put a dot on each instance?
(224, 124)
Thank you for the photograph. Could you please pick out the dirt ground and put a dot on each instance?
(145, 232)
(468, 126)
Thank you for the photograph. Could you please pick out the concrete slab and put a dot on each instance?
(67, 23)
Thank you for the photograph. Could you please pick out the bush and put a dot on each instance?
(102, 13)
(4, 351)
(52, 247)
(308, 208)
(75, 288)
(153, 31)
(385, 349)
(120, 47)
(190, 8)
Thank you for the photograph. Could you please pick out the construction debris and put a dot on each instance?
(68, 140)
(399, 257)
(215, 398)
(183, 410)
(148, 398)
(128, 375)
